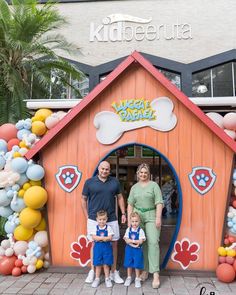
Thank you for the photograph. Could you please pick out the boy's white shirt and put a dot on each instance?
(109, 230)
(141, 233)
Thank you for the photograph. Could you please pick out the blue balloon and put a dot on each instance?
(18, 205)
(32, 245)
(9, 227)
(19, 165)
(20, 125)
(21, 132)
(234, 227)
(10, 194)
(234, 219)
(4, 200)
(5, 211)
(27, 124)
(2, 162)
(3, 146)
(230, 224)
(35, 172)
(38, 254)
(23, 179)
(29, 252)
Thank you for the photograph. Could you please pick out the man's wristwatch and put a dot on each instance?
(123, 214)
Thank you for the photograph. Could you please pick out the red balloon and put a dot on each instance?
(234, 265)
(229, 259)
(18, 263)
(234, 204)
(231, 239)
(16, 272)
(222, 259)
(12, 142)
(7, 264)
(8, 131)
(225, 273)
(24, 269)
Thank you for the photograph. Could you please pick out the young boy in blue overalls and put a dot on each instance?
(102, 251)
(134, 237)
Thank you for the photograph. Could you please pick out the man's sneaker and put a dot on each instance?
(128, 282)
(137, 283)
(90, 277)
(115, 276)
(96, 283)
(108, 282)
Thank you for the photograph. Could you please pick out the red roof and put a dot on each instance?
(134, 57)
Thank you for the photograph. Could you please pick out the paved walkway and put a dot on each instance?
(72, 284)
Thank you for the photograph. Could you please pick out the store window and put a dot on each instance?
(173, 77)
(58, 87)
(215, 82)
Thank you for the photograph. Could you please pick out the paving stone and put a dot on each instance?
(30, 288)
(57, 291)
(5, 285)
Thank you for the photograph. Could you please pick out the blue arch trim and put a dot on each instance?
(179, 218)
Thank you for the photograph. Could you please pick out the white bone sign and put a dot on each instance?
(110, 127)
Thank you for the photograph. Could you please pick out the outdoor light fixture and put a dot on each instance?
(202, 89)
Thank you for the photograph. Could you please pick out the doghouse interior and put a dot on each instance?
(124, 163)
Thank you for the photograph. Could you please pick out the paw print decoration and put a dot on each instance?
(185, 252)
(202, 179)
(68, 177)
(80, 250)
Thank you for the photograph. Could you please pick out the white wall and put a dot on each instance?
(212, 23)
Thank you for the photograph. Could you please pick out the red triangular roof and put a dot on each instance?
(134, 57)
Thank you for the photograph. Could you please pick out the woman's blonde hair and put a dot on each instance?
(145, 166)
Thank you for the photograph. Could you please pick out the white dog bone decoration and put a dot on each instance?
(111, 126)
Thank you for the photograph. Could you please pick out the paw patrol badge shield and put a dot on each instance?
(68, 177)
(202, 179)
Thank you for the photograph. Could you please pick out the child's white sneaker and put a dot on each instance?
(108, 282)
(90, 277)
(137, 283)
(128, 282)
(96, 283)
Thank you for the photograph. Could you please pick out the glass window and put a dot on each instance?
(173, 77)
(201, 84)
(222, 80)
(234, 73)
(215, 82)
(82, 86)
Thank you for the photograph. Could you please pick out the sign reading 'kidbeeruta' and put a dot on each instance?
(132, 114)
(134, 110)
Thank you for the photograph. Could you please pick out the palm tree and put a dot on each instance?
(29, 48)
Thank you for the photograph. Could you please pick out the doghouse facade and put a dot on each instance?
(194, 142)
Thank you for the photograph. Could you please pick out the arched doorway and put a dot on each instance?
(124, 161)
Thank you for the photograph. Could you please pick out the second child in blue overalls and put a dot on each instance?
(134, 237)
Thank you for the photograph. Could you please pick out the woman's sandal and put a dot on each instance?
(144, 276)
(156, 281)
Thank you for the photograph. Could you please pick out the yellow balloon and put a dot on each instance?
(30, 218)
(22, 144)
(22, 234)
(38, 128)
(231, 252)
(36, 182)
(21, 193)
(35, 197)
(26, 186)
(43, 113)
(39, 264)
(222, 251)
(17, 155)
(42, 225)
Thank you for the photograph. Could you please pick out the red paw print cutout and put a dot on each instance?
(81, 250)
(185, 252)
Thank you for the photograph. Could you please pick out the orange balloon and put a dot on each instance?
(12, 142)
(225, 273)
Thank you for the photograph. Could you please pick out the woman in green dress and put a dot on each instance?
(145, 198)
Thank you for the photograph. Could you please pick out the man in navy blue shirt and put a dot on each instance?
(100, 193)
